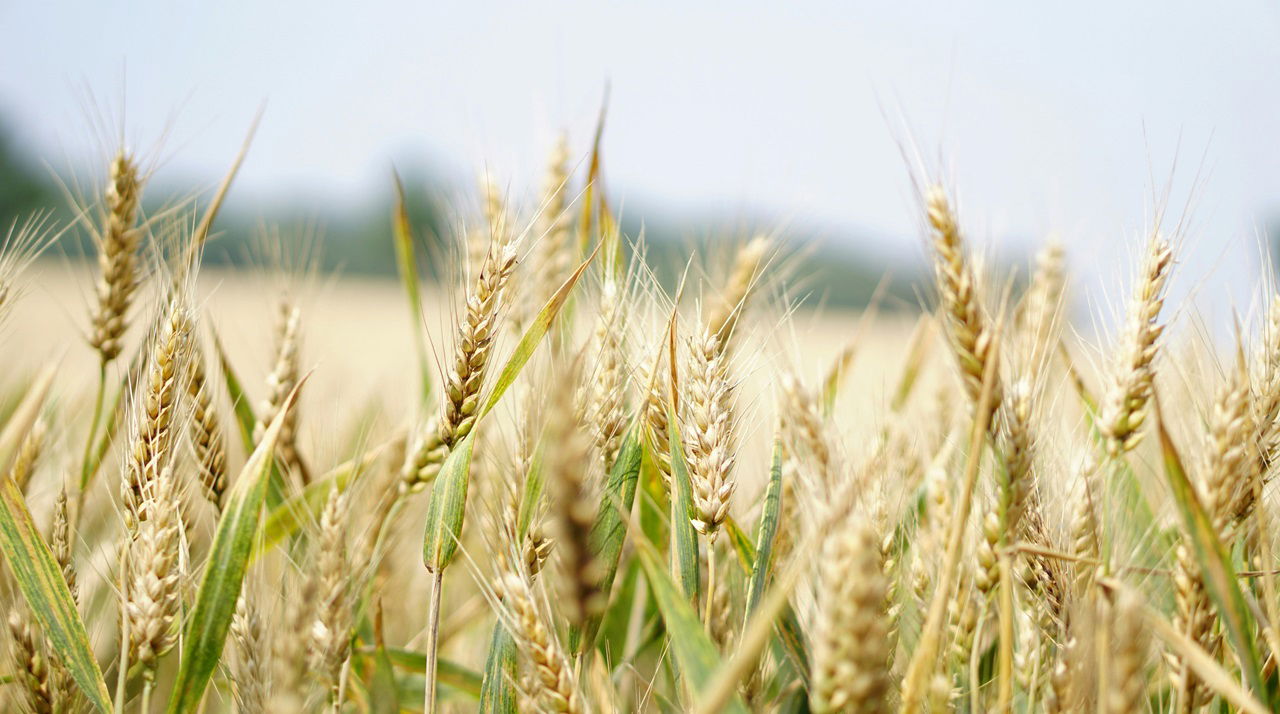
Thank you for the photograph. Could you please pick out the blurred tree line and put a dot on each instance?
(357, 240)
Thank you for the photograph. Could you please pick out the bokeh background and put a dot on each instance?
(806, 118)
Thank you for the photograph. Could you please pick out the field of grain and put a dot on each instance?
(549, 484)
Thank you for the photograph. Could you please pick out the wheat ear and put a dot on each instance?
(31, 668)
(709, 434)
(280, 382)
(475, 342)
(205, 432)
(250, 639)
(850, 642)
(152, 598)
(118, 240)
(1124, 406)
(723, 317)
(331, 631)
(967, 326)
(554, 682)
(156, 410)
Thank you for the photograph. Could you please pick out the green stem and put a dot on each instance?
(711, 584)
(433, 635)
(93, 425)
(85, 468)
(147, 685)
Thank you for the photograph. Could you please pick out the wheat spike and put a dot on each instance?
(709, 434)
(552, 256)
(724, 316)
(1124, 406)
(118, 240)
(553, 681)
(280, 382)
(572, 511)
(156, 410)
(30, 665)
(205, 433)
(152, 597)
(331, 629)
(850, 641)
(28, 455)
(805, 426)
(607, 383)
(250, 639)
(475, 342)
(966, 323)
(1127, 681)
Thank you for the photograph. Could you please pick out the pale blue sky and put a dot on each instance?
(1050, 116)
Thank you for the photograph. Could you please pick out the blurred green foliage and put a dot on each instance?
(358, 240)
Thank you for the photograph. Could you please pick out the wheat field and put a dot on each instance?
(551, 484)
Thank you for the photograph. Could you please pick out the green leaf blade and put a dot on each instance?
(1215, 564)
(694, 652)
(497, 691)
(206, 630)
(40, 579)
(766, 531)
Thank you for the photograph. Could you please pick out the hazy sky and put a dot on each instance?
(1047, 116)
